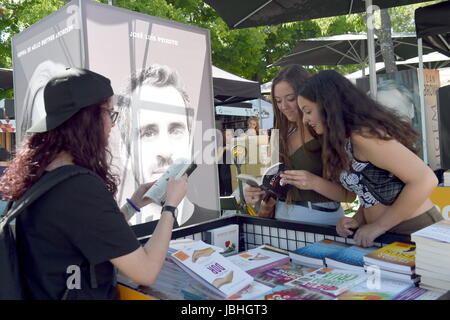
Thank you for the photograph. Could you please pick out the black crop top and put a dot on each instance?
(371, 184)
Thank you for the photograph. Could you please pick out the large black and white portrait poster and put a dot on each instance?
(161, 75)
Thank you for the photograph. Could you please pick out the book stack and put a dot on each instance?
(432, 257)
(395, 261)
(351, 258)
(204, 263)
(384, 289)
(259, 259)
(174, 284)
(313, 255)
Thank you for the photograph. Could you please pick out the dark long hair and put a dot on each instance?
(344, 109)
(82, 136)
(296, 76)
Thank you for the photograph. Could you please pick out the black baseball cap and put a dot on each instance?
(69, 92)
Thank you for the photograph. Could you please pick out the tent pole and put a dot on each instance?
(363, 60)
(422, 100)
(371, 49)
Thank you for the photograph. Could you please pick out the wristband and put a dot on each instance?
(133, 205)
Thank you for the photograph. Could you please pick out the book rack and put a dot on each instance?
(255, 231)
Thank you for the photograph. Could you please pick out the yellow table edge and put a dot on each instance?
(126, 293)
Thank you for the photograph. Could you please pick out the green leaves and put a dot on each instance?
(15, 16)
(245, 52)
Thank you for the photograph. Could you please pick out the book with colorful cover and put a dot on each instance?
(330, 281)
(397, 256)
(173, 284)
(313, 255)
(270, 181)
(282, 274)
(350, 258)
(294, 293)
(204, 263)
(251, 292)
(385, 289)
(432, 288)
(416, 293)
(259, 259)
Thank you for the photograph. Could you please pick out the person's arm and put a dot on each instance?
(345, 224)
(419, 181)
(144, 264)
(305, 180)
(138, 201)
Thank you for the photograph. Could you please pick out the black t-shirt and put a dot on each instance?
(75, 225)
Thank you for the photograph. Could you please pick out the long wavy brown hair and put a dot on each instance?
(82, 136)
(344, 109)
(296, 76)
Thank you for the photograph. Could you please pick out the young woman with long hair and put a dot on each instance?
(371, 151)
(77, 225)
(313, 199)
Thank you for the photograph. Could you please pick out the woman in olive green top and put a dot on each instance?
(312, 198)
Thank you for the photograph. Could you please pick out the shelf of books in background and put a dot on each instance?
(433, 256)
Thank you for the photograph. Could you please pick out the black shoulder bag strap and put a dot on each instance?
(43, 185)
(50, 180)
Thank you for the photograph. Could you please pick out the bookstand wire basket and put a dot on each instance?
(255, 231)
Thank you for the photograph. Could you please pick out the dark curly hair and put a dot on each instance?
(344, 109)
(82, 136)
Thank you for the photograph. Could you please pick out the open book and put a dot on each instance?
(270, 181)
(157, 193)
(204, 263)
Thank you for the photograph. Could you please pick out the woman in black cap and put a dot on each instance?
(75, 233)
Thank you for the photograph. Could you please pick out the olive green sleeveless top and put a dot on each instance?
(309, 159)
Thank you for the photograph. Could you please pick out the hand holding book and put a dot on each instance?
(138, 198)
(301, 179)
(158, 192)
(253, 195)
(270, 182)
(176, 190)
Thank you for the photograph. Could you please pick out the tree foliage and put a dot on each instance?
(15, 16)
(245, 52)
